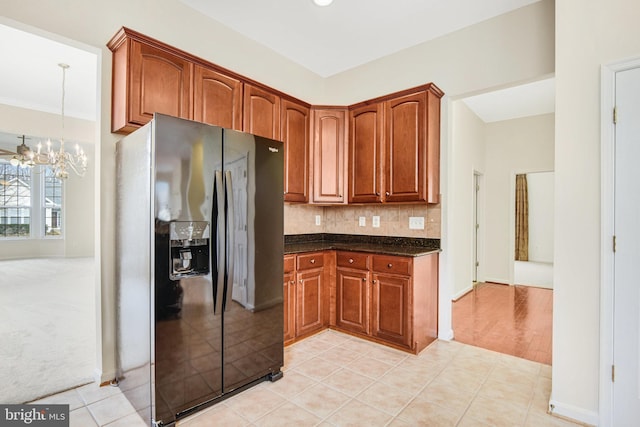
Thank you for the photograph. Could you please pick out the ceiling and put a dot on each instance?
(326, 40)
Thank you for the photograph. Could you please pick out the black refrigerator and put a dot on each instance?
(199, 250)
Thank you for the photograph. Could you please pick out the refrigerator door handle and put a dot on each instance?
(218, 282)
(228, 288)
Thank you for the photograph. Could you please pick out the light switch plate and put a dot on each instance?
(318, 220)
(375, 221)
(362, 221)
(416, 222)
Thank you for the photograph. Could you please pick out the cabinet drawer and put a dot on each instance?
(353, 260)
(313, 260)
(289, 263)
(392, 264)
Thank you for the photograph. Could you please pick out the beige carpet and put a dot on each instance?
(47, 326)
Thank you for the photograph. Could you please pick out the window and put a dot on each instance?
(30, 202)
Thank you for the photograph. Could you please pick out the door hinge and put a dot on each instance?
(614, 243)
(477, 263)
(613, 373)
(615, 115)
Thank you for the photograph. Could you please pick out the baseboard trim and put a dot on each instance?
(462, 293)
(497, 281)
(573, 413)
(103, 378)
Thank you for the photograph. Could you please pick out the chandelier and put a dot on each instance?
(60, 160)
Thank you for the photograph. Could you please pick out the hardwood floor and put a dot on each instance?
(513, 320)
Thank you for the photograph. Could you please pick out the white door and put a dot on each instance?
(626, 336)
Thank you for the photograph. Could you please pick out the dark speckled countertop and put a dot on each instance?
(403, 246)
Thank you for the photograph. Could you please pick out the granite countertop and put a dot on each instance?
(402, 246)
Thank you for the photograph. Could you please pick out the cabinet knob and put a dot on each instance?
(373, 281)
(387, 193)
(293, 282)
(350, 260)
(364, 279)
(301, 281)
(389, 265)
(377, 193)
(312, 261)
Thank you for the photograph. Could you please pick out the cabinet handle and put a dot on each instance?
(389, 265)
(350, 260)
(312, 261)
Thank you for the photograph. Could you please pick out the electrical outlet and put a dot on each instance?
(375, 221)
(416, 222)
(362, 221)
(318, 220)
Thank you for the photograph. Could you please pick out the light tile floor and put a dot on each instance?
(333, 379)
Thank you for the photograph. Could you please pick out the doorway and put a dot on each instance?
(533, 231)
(48, 289)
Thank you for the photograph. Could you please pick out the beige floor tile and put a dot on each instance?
(91, 393)
(512, 392)
(520, 364)
(369, 367)
(426, 370)
(460, 378)
(423, 413)
(320, 400)
(399, 422)
(544, 420)
(340, 355)
(316, 368)
(293, 356)
(131, 420)
(288, 414)
(81, 417)
(495, 412)
(387, 355)
(545, 371)
(447, 396)
(348, 382)
(219, 414)
(385, 398)
(514, 375)
(291, 384)
(110, 409)
(357, 414)
(69, 397)
(407, 379)
(255, 402)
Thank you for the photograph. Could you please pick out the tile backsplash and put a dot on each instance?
(394, 219)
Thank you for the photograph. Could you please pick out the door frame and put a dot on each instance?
(478, 234)
(607, 200)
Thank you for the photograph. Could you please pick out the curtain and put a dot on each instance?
(522, 219)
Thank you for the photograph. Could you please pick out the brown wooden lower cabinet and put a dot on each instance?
(305, 295)
(388, 299)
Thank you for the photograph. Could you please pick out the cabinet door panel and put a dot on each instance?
(352, 296)
(289, 306)
(217, 99)
(160, 83)
(309, 294)
(329, 156)
(391, 311)
(405, 148)
(295, 135)
(365, 154)
(261, 112)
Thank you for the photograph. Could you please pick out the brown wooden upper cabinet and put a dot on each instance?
(365, 154)
(261, 112)
(395, 148)
(147, 79)
(329, 155)
(295, 120)
(218, 98)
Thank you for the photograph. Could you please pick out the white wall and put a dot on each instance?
(513, 146)
(467, 150)
(541, 214)
(506, 50)
(589, 33)
(79, 215)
